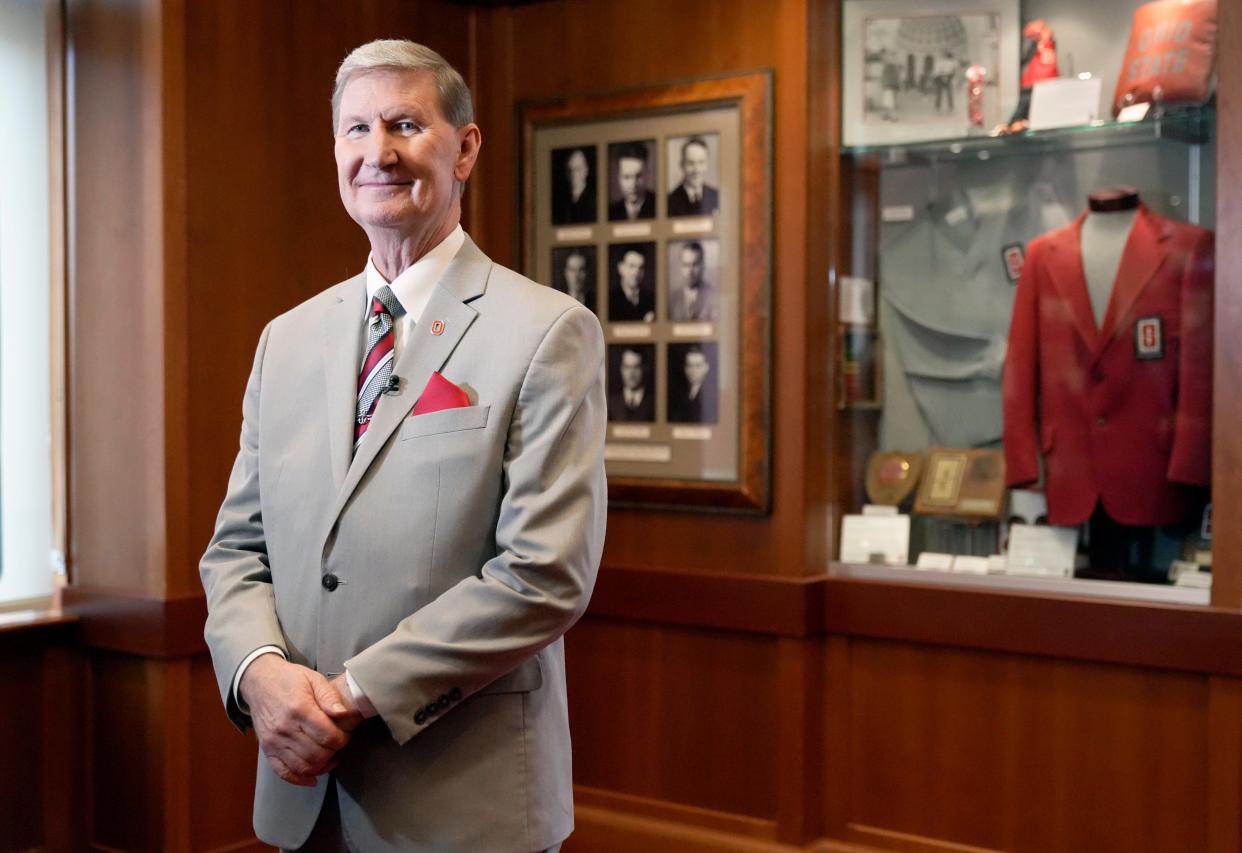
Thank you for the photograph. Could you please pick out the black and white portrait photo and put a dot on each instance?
(693, 175)
(573, 185)
(693, 281)
(631, 176)
(693, 396)
(631, 283)
(631, 382)
(915, 66)
(573, 272)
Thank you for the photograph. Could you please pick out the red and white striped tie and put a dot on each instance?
(377, 364)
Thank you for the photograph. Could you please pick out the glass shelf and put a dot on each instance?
(1190, 127)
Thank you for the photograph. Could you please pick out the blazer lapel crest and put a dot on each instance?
(421, 354)
(1145, 251)
(342, 348)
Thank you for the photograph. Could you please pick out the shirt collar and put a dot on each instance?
(413, 287)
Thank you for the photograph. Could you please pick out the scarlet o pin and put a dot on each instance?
(437, 327)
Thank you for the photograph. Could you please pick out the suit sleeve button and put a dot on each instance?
(330, 582)
(455, 694)
(420, 718)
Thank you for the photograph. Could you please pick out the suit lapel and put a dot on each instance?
(342, 348)
(420, 355)
(1145, 251)
(1070, 280)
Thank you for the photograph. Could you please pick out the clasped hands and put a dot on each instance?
(301, 718)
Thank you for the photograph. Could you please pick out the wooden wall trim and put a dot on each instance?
(138, 623)
(1179, 637)
(23, 629)
(1166, 636)
(761, 604)
(1227, 367)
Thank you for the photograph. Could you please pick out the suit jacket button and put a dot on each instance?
(1098, 376)
(1101, 421)
(330, 582)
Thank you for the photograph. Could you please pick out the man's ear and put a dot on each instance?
(469, 139)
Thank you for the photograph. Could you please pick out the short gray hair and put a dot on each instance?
(404, 55)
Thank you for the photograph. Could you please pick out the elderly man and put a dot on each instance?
(416, 513)
(693, 196)
(633, 199)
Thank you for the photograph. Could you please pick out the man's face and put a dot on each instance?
(696, 368)
(691, 267)
(694, 165)
(630, 269)
(575, 272)
(577, 169)
(632, 178)
(631, 370)
(399, 162)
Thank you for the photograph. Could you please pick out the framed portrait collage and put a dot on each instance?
(653, 210)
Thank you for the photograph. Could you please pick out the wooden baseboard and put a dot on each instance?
(601, 830)
(663, 811)
(901, 842)
(610, 822)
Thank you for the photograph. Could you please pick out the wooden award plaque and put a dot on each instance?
(892, 476)
(968, 483)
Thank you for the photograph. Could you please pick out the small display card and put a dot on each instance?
(1042, 550)
(875, 539)
(1064, 102)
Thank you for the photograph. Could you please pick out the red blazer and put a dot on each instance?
(1120, 415)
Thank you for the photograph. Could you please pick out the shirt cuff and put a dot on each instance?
(360, 700)
(241, 670)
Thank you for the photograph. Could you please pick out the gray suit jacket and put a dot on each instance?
(465, 541)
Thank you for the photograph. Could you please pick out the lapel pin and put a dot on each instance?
(437, 327)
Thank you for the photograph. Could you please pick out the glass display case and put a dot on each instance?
(1025, 316)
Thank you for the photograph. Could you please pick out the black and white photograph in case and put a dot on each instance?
(631, 283)
(906, 74)
(693, 174)
(916, 65)
(573, 185)
(631, 382)
(694, 281)
(573, 272)
(693, 394)
(631, 180)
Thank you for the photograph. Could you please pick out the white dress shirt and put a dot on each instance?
(413, 289)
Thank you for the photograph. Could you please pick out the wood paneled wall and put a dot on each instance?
(545, 49)
(42, 727)
(721, 698)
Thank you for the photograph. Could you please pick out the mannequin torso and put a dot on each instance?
(1103, 241)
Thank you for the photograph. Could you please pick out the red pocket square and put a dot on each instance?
(439, 394)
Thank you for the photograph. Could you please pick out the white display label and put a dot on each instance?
(693, 226)
(875, 539)
(638, 453)
(635, 229)
(585, 232)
